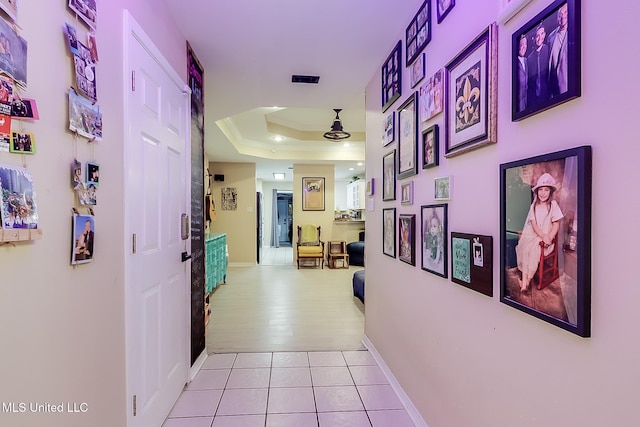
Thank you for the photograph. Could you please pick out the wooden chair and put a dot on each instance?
(337, 256)
(309, 245)
(548, 270)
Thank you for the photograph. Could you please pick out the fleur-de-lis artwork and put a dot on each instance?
(468, 98)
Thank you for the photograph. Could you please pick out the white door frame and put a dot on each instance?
(133, 29)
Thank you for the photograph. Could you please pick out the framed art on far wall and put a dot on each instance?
(545, 61)
(392, 77)
(471, 95)
(389, 232)
(548, 276)
(433, 220)
(408, 137)
(313, 194)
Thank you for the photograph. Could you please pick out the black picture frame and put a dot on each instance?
(418, 33)
(392, 77)
(559, 78)
(468, 269)
(434, 234)
(389, 176)
(562, 296)
(431, 147)
(444, 7)
(389, 232)
(471, 95)
(389, 129)
(408, 137)
(407, 238)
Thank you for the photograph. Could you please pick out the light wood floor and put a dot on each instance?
(270, 308)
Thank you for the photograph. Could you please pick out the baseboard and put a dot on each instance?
(197, 365)
(412, 411)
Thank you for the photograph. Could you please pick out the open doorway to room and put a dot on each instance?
(285, 218)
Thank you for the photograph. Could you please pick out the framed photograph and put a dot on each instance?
(15, 64)
(93, 173)
(433, 219)
(87, 194)
(471, 95)
(408, 137)
(430, 147)
(86, 10)
(472, 262)
(22, 142)
(418, 33)
(545, 237)
(370, 187)
(443, 188)
(312, 194)
(17, 194)
(389, 176)
(406, 193)
(430, 97)
(85, 118)
(392, 77)
(389, 232)
(229, 199)
(407, 238)
(389, 129)
(416, 71)
(444, 7)
(546, 60)
(507, 9)
(25, 109)
(82, 241)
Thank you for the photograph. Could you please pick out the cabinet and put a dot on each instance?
(215, 260)
(355, 195)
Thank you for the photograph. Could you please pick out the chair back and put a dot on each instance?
(309, 235)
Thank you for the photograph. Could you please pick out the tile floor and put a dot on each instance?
(281, 389)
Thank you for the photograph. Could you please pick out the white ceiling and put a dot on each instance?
(250, 48)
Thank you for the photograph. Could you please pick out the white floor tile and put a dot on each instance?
(243, 402)
(253, 360)
(337, 399)
(325, 376)
(350, 419)
(219, 361)
(359, 358)
(292, 420)
(239, 421)
(367, 375)
(249, 378)
(290, 377)
(290, 360)
(326, 358)
(196, 403)
(210, 379)
(377, 397)
(289, 400)
(188, 422)
(395, 418)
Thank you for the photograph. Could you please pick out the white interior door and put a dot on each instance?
(158, 281)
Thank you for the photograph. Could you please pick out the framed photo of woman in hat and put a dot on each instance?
(545, 239)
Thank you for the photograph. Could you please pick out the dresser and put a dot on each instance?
(215, 260)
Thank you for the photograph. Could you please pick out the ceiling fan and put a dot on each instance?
(337, 133)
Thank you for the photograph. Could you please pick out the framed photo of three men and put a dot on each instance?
(546, 60)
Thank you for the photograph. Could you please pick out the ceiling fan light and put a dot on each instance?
(337, 133)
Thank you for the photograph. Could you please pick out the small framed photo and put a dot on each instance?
(82, 241)
(76, 174)
(312, 194)
(406, 193)
(25, 109)
(389, 176)
(93, 173)
(417, 69)
(509, 8)
(389, 129)
(22, 142)
(545, 237)
(407, 238)
(444, 7)
(433, 219)
(418, 33)
(443, 188)
(430, 97)
(392, 77)
(389, 232)
(546, 60)
(408, 137)
(471, 95)
(472, 262)
(430, 147)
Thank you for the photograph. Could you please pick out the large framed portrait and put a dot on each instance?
(313, 194)
(407, 238)
(389, 176)
(546, 60)
(392, 77)
(418, 33)
(433, 220)
(389, 232)
(430, 147)
(471, 95)
(545, 237)
(408, 137)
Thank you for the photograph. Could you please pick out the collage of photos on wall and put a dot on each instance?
(547, 275)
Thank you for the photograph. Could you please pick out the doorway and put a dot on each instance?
(285, 219)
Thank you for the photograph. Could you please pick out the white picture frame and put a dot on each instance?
(443, 188)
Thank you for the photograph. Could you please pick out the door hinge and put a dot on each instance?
(135, 405)
(133, 242)
(133, 81)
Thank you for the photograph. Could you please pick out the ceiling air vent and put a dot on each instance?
(297, 78)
